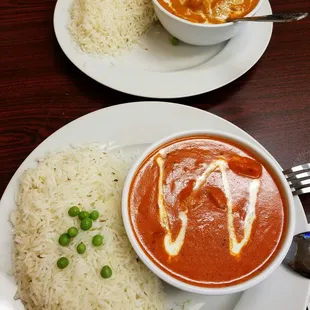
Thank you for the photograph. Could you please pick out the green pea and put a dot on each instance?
(72, 232)
(97, 240)
(86, 223)
(175, 41)
(106, 272)
(81, 248)
(83, 215)
(74, 211)
(62, 263)
(94, 215)
(64, 240)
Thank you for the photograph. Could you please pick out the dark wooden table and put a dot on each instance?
(41, 90)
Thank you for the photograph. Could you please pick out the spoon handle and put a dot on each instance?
(275, 18)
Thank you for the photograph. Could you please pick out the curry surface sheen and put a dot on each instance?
(208, 11)
(206, 211)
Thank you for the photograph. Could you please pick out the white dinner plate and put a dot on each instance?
(134, 126)
(157, 69)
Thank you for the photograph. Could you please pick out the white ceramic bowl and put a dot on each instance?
(199, 34)
(289, 230)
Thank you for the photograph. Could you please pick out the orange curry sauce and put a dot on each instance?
(206, 256)
(208, 11)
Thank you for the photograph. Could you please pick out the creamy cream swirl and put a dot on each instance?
(173, 247)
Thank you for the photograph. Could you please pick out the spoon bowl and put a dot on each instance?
(298, 256)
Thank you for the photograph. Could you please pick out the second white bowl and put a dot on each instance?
(196, 33)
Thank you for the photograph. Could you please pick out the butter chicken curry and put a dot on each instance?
(206, 211)
(209, 11)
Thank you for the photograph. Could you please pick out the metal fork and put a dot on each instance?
(299, 179)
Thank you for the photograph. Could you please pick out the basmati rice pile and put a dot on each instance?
(110, 26)
(91, 179)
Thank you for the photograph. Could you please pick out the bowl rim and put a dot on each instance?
(153, 266)
(205, 25)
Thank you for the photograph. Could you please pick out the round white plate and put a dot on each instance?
(157, 69)
(133, 126)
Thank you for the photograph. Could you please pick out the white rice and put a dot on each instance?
(109, 27)
(93, 180)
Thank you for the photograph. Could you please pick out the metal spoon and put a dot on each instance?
(298, 256)
(274, 18)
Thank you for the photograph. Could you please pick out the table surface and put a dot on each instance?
(41, 90)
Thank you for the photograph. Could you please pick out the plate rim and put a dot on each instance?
(31, 157)
(161, 92)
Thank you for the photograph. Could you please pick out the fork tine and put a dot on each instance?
(297, 184)
(298, 176)
(301, 191)
(297, 169)
(298, 179)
